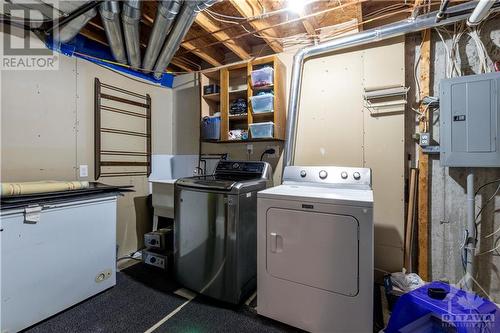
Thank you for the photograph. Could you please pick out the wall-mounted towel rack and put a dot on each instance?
(142, 111)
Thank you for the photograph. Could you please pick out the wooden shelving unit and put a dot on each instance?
(210, 104)
(235, 82)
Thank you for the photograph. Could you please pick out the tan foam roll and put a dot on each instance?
(10, 189)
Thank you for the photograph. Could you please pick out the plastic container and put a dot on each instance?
(262, 103)
(210, 128)
(262, 77)
(211, 89)
(262, 130)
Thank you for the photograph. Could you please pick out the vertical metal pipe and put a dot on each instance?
(131, 16)
(471, 232)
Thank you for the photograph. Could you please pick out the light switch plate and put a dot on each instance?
(84, 170)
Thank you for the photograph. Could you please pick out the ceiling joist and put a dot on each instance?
(208, 54)
(240, 48)
(248, 8)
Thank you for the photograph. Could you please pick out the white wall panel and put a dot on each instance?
(47, 131)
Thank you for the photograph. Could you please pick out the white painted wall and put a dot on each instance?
(335, 129)
(47, 131)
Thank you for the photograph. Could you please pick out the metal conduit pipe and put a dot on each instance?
(131, 16)
(181, 26)
(110, 14)
(165, 17)
(73, 27)
(480, 12)
(454, 14)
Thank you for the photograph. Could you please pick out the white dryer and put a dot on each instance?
(315, 249)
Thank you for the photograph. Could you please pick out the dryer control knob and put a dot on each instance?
(344, 175)
(303, 173)
(323, 174)
(356, 176)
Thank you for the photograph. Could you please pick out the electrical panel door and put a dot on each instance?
(469, 121)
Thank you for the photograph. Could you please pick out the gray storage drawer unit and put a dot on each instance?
(469, 121)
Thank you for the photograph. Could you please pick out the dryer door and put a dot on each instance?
(315, 249)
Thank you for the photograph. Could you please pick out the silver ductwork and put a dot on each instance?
(181, 26)
(454, 14)
(110, 14)
(131, 16)
(165, 17)
(72, 28)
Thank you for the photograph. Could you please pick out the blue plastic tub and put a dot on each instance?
(262, 77)
(262, 103)
(210, 128)
(262, 130)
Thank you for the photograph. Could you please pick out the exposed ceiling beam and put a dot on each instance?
(181, 65)
(206, 53)
(240, 48)
(309, 27)
(249, 8)
(94, 35)
(359, 15)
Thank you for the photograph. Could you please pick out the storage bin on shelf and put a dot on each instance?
(263, 130)
(211, 89)
(210, 128)
(262, 77)
(263, 103)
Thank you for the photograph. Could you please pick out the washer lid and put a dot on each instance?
(319, 194)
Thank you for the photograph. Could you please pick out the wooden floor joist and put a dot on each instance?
(423, 163)
(205, 53)
(240, 48)
(250, 9)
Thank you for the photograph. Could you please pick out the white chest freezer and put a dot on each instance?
(53, 256)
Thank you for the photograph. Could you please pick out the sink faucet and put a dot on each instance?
(198, 171)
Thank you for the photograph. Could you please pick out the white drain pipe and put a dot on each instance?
(470, 243)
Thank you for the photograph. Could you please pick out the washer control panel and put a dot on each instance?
(328, 175)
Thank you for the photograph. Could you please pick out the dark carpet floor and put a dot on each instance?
(141, 298)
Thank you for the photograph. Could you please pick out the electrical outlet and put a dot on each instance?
(84, 170)
(424, 139)
(250, 148)
(276, 151)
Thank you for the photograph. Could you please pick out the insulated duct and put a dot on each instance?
(110, 14)
(73, 27)
(181, 26)
(454, 14)
(131, 16)
(165, 16)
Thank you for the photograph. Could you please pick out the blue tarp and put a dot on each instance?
(84, 46)
(460, 312)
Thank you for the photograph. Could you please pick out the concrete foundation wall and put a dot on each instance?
(447, 197)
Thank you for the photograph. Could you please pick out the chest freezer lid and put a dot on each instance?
(95, 190)
(319, 194)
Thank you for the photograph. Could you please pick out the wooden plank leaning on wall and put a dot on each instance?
(423, 161)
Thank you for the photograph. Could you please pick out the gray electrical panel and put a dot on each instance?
(470, 121)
